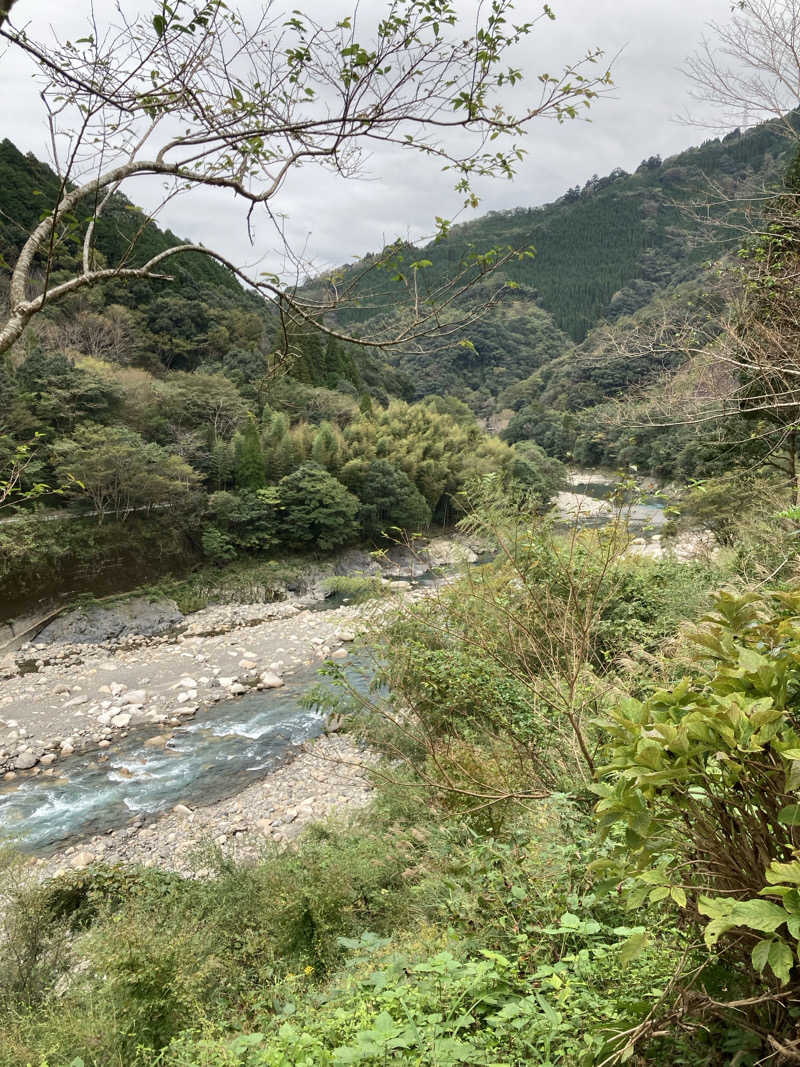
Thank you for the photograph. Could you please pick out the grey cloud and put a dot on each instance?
(349, 218)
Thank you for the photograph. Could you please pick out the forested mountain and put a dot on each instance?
(178, 374)
(601, 252)
(152, 409)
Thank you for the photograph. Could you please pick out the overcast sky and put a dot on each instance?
(343, 220)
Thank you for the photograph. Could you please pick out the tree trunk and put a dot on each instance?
(793, 467)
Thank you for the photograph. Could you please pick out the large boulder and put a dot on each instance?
(99, 623)
(354, 561)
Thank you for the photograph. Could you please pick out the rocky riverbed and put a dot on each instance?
(94, 674)
(328, 776)
(68, 696)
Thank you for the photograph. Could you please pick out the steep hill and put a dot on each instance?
(602, 252)
(29, 187)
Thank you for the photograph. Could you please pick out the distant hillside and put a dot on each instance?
(203, 319)
(602, 252)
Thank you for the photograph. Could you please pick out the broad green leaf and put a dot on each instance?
(760, 954)
(790, 815)
(783, 872)
(760, 915)
(633, 947)
(781, 960)
(570, 921)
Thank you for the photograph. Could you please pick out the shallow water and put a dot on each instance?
(219, 754)
(227, 748)
(644, 512)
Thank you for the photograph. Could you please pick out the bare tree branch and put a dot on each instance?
(201, 98)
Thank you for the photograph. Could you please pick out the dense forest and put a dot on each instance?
(154, 414)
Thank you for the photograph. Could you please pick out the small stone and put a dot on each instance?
(81, 859)
(247, 664)
(134, 696)
(187, 683)
(345, 635)
(159, 741)
(117, 688)
(25, 760)
(82, 698)
(187, 694)
(237, 689)
(339, 653)
(121, 721)
(105, 743)
(48, 758)
(181, 809)
(270, 680)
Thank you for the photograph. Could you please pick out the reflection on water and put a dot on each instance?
(642, 510)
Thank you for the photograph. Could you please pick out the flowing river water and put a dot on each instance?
(235, 743)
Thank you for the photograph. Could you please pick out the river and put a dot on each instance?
(232, 745)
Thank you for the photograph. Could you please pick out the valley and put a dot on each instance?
(400, 648)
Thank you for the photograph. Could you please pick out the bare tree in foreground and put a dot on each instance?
(748, 69)
(201, 98)
(5, 9)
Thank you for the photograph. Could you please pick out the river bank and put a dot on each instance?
(326, 777)
(97, 673)
(147, 747)
(125, 729)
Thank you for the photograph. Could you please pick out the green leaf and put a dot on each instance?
(760, 915)
(633, 947)
(781, 959)
(678, 895)
(760, 954)
(661, 892)
(790, 815)
(783, 872)
(159, 24)
(569, 921)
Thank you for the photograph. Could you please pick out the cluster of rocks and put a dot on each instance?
(95, 707)
(95, 674)
(221, 618)
(329, 776)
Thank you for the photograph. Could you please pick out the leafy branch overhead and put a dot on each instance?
(206, 97)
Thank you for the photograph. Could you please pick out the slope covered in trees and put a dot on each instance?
(599, 254)
(153, 412)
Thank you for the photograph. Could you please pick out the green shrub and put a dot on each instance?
(699, 792)
(357, 588)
